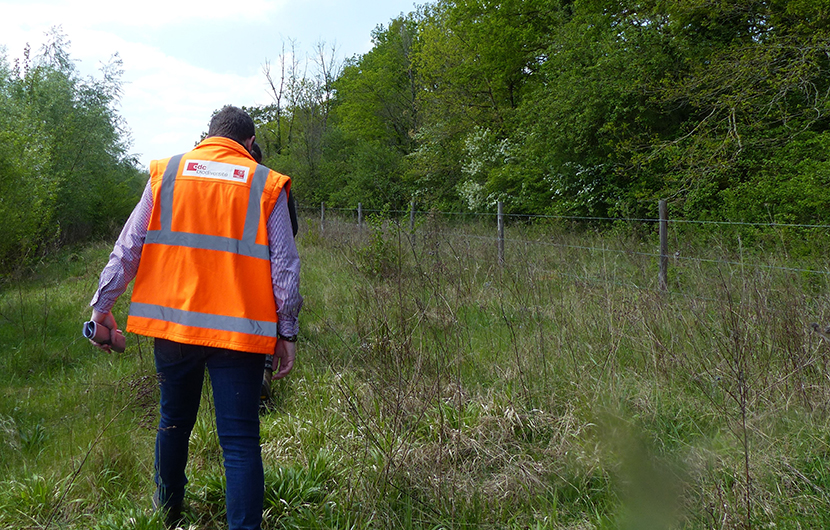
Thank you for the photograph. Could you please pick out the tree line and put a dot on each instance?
(578, 107)
(574, 107)
(65, 174)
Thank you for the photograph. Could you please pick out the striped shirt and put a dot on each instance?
(285, 262)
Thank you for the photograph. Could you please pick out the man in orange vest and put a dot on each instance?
(216, 273)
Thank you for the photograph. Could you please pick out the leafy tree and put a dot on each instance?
(586, 103)
(756, 82)
(292, 130)
(584, 107)
(27, 194)
(477, 62)
(376, 119)
(64, 171)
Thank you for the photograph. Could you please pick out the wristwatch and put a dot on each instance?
(290, 338)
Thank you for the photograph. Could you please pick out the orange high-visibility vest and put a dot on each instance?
(204, 276)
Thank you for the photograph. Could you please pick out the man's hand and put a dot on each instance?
(105, 319)
(284, 355)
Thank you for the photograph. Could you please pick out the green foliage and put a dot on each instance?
(292, 492)
(32, 499)
(294, 129)
(582, 107)
(374, 121)
(787, 184)
(754, 79)
(373, 178)
(64, 170)
(381, 256)
(27, 191)
(132, 519)
(376, 91)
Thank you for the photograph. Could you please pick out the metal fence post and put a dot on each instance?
(360, 216)
(664, 246)
(412, 216)
(501, 232)
(322, 217)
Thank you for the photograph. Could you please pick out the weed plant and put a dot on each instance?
(436, 388)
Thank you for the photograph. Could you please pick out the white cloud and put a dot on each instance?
(146, 13)
(166, 102)
(171, 88)
(186, 92)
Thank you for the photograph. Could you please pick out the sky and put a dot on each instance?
(183, 59)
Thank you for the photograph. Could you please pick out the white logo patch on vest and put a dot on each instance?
(215, 170)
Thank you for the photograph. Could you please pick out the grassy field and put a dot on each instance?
(435, 389)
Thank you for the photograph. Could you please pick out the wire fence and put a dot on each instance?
(530, 217)
(715, 250)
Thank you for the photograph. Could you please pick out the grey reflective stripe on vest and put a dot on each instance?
(246, 246)
(168, 186)
(204, 320)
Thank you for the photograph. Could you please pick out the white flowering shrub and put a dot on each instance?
(483, 154)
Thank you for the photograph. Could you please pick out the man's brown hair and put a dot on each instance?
(232, 122)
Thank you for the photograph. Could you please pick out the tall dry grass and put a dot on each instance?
(437, 389)
(565, 389)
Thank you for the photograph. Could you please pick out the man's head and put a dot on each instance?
(234, 123)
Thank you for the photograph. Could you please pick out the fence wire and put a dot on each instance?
(575, 217)
(639, 275)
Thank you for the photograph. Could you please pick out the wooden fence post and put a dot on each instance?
(664, 246)
(322, 217)
(501, 232)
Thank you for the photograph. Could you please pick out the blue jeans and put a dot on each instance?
(236, 378)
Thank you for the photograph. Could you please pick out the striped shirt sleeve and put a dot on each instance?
(123, 263)
(285, 267)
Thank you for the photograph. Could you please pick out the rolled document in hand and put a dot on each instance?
(105, 336)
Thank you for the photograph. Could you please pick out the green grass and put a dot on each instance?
(435, 389)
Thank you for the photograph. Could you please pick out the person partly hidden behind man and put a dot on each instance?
(217, 285)
(256, 152)
(267, 375)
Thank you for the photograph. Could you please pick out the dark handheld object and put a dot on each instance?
(292, 213)
(105, 336)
